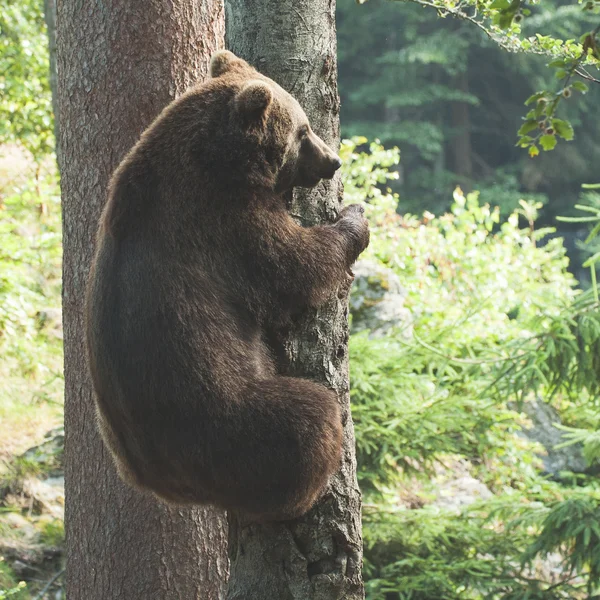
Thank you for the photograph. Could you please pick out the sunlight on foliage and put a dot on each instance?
(575, 62)
(30, 286)
(497, 321)
(25, 98)
(591, 216)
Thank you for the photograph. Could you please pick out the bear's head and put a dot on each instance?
(285, 151)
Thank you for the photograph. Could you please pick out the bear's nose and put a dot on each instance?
(336, 163)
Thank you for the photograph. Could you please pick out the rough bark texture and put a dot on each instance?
(319, 556)
(119, 63)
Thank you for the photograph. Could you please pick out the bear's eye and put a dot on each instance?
(303, 132)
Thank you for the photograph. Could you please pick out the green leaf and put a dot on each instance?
(505, 19)
(534, 98)
(560, 74)
(580, 86)
(528, 126)
(559, 62)
(593, 233)
(563, 128)
(592, 260)
(548, 142)
(577, 219)
(533, 151)
(540, 108)
(586, 208)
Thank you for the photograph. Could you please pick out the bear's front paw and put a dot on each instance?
(352, 221)
(352, 211)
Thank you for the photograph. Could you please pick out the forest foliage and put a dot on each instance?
(25, 100)
(453, 99)
(497, 324)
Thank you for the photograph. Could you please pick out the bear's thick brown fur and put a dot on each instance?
(196, 259)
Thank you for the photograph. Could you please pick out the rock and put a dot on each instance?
(460, 492)
(17, 522)
(48, 495)
(47, 490)
(544, 430)
(457, 488)
(451, 488)
(24, 570)
(377, 300)
(49, 454)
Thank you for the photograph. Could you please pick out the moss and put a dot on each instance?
(52, 532)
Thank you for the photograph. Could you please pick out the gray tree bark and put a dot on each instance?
(119, 63)
(317, 557)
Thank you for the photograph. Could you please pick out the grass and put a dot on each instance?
(52, 531)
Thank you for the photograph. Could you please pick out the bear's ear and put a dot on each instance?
(223, 61)
(254, 99)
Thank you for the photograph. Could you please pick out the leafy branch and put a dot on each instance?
(501, 21)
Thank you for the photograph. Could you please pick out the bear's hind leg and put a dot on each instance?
(287, 440)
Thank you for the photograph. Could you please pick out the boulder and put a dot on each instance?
(544, 420)
(377, 301)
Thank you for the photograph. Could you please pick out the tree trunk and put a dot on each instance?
(319, 556)
(460, 144)
(119, 63)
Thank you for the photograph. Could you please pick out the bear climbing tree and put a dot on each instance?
(197, 262)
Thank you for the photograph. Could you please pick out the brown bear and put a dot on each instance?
(197, 258)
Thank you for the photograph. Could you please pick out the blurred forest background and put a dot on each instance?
(452, 100)
(475, 346)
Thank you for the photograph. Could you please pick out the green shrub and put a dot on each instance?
(497, 320)
(30, 288)
(25, 98)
